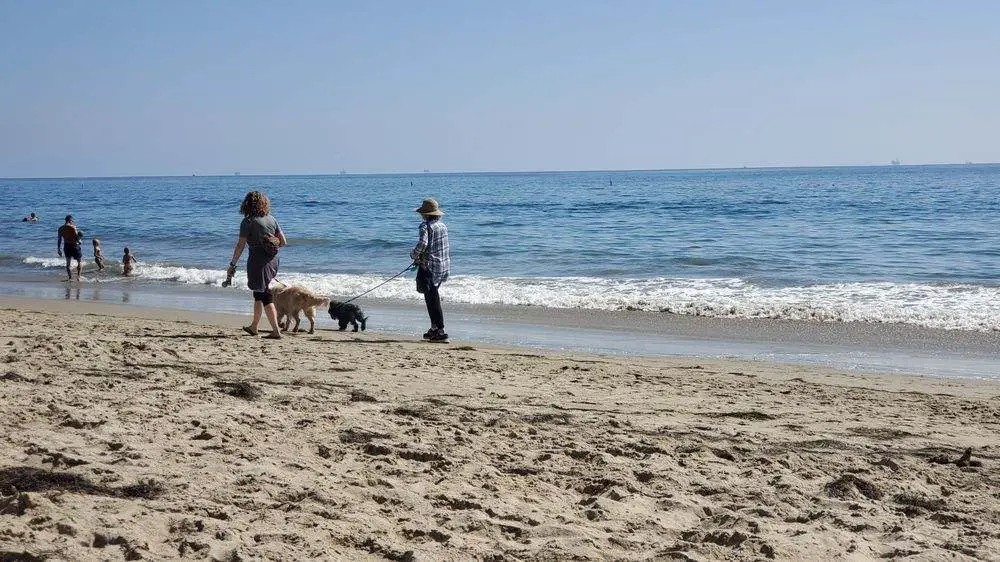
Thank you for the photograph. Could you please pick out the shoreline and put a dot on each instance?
(140, 433)
(863, 347)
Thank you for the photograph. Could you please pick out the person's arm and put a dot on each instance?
(59, 242)
(282, 241)
(417, 253)
(241, 242)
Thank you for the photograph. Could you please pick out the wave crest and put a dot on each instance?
(965, 307)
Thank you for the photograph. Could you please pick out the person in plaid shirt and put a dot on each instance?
(433, 260)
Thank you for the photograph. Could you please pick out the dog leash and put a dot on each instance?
(380, 284)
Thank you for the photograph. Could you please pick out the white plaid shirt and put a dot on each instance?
(432, 252)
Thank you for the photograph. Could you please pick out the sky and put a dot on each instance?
(111, 88)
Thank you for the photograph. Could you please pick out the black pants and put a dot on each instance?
(433, 300)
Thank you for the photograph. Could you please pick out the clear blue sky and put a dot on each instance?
(180, 87)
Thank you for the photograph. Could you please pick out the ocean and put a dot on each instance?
(895, 244)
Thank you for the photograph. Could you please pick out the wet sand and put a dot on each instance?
(858, 346)
(150, 434)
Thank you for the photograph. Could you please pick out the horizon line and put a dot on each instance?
(461, 172)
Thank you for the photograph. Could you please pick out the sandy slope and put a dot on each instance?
(144, 439)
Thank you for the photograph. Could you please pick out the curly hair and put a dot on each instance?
(255, 204)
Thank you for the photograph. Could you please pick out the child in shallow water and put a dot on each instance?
(98, 255)
(127, 262)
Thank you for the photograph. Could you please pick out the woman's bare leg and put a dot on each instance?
(272, 317)
(258, 307)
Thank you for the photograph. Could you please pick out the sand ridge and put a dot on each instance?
(135, 438)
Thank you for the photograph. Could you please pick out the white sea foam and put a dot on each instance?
(187, 275)
(967, 307)
(45, 262)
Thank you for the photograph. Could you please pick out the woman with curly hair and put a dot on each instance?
(261, 232)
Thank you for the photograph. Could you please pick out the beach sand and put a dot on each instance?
(147, 434)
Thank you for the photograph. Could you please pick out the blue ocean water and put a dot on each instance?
(911, 244)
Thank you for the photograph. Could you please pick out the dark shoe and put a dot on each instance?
(438, 337)
(429, 333)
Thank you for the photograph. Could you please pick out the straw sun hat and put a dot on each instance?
(430, 208)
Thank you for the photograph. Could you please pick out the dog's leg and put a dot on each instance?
(364, 319)
(297, 321)
(342, 323)
(311, 315)
(354, 323)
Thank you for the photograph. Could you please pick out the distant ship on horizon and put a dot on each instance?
(895, 162)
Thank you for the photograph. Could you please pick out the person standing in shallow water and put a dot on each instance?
(98, 254)
(69, 241)
(128, 262)
(433, 259)
(260, 231)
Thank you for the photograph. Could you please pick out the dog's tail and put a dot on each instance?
(364, 319)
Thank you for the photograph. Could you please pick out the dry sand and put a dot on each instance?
(131, 437)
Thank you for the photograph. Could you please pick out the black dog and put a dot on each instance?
(346, 313)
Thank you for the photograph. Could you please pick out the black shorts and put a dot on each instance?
(74, 251)
(263, 296)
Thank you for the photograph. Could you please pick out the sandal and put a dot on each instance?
(273, 336)
(250, 330)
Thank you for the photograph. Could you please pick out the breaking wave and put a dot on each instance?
(954, 306)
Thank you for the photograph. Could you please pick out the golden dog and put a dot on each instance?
(290, 300)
